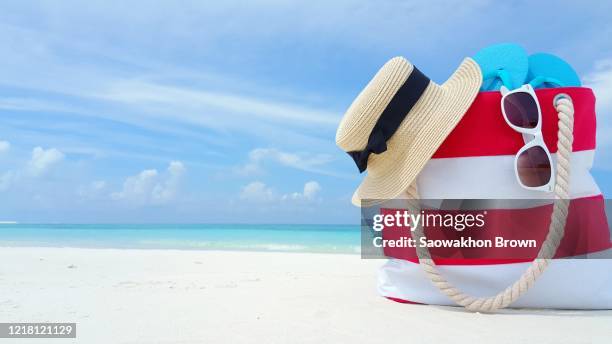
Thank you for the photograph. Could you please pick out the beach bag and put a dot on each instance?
(476, 161)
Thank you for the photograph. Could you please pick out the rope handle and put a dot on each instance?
(565, 108)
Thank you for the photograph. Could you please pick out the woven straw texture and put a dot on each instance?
(425, 127)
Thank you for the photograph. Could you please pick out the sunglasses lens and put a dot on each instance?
(533, 166)
(521, 110)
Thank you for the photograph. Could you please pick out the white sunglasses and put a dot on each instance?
(533, 165)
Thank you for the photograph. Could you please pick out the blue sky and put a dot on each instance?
(226, 111)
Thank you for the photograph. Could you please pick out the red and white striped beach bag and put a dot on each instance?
(476, 161)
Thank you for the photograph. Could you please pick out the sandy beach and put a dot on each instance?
(172, 296)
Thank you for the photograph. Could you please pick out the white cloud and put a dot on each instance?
(355, 24)
(200, 106)
(43, 159)
(311, 190)
(40, 162)
(173, 96)
(149, 91)
(149, 187)
(4, 146)
(259, 192)
(300, 161)
(138, 188)
(168, 189)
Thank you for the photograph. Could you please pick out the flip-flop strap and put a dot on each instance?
(503, 75)
(539, 80)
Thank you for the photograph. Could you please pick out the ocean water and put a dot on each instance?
(282, 238)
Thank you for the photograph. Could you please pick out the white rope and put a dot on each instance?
(565, 109)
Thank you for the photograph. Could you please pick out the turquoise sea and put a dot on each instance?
(282, 238)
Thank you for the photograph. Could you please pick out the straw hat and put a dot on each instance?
(398, 122)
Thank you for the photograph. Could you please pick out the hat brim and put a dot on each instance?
(430, 121)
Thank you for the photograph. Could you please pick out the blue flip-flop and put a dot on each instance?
(548, 70)
(502, 64)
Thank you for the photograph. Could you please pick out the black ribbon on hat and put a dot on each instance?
(391, 118)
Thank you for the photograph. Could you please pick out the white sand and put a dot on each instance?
(167, 296)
